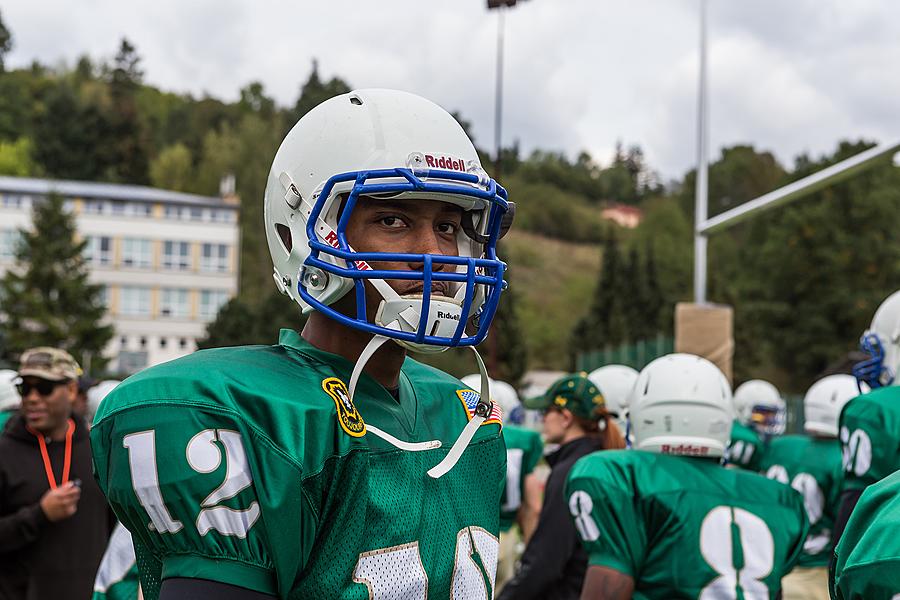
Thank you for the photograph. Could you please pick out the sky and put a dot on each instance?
(788, 77)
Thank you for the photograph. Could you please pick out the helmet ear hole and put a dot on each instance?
(284, 234)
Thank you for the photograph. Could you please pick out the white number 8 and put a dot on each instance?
(716, 546)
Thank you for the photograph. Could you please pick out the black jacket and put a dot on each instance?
(554, 562)
(40, 559)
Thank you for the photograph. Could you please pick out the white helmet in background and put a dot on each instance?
(760, 405)
(385, 144)
(681, 404)
(615, 383)
(881, 342)
(503, 394)
(96, 394)
(9, 395)
(823, 403)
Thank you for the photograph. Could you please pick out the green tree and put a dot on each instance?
(6, 43)
(173, 169)
(509, 341)
(15, 158)
(47, 297)
(638, 318)
(131, 163)
(606, 323)
(315, 91)
(254, 100)
(239, 323)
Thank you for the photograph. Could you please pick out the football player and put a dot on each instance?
(870, 423)
(666, 520)
(811, 464)
(616, 382)
(331, 464)
(521, 500)
(760, 416)
(866, 558)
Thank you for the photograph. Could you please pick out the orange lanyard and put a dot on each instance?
(67, 461)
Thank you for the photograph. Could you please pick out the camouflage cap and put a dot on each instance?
(574, 392)
(49, 363)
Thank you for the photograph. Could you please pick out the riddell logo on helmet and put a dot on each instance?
(451, 316)
(445, 162)
(332, 240)
(685, 449)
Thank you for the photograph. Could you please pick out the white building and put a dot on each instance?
(168, 260)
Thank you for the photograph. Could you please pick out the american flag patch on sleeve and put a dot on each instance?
(469, 399)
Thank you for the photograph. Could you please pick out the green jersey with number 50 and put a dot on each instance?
(251, 466)
(812, 466)
(685, 527)
(746, 449)
(869, 440)
(524, 449)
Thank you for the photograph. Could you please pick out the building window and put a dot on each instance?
(143, 342)
(211, 301)
(98, 251)
(214, 257)
(223, 216)
(182, 343)
(174, 303)
(134, 301)
(9, 239)
(136, 253)
(95, 207)
(163, 342)
(177, 255)
(15, 201)
(104, 296)
(123, 342)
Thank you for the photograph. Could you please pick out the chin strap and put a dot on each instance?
(482, 411)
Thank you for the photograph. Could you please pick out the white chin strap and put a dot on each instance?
(482, 410)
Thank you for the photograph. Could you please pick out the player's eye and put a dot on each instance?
(448, 228)
(392, 222)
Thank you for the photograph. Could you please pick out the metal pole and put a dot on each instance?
(498, 95)
(701, 192)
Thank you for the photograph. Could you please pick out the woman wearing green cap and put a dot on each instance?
(575, 417)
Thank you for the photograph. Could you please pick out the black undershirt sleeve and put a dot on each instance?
(848, 501)
(202, 589)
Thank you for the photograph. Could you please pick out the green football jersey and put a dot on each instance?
(746, 449)
(524, 449)
(685, 527)
(251, 466)
(869, 440)
(812, 466)
(867, 558)
(117, 577)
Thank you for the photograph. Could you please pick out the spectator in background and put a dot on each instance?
(80, 406)
(554, 563)
(54, 521)
(9, 396)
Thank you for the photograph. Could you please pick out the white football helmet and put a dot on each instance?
(882, 343)
(823, 403)
(503, 394)
(9, 395)
(759, 404)
(615, 383)
(681, 404)
(96, 394)
(385, 144)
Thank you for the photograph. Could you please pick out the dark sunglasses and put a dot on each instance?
(44, 387)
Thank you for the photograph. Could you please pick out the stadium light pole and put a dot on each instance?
(500, 6)
(701, 191)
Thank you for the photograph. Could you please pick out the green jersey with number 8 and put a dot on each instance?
(869, 440)
(684, 527)
(251, 466)
(812, 466)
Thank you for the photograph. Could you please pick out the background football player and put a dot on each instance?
(522, 494)
(330, 464)
(760, 416)
(666, 520)
(870, 423)
(575, 417)
(811, 464)
(616, 382)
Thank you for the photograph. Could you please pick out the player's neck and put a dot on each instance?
(330, 336)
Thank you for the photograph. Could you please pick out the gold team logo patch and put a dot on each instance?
(349, 418)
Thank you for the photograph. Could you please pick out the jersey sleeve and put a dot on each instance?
(608, 522)
(869, 445)
(203, 494)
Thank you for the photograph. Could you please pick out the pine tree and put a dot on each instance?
(47, 299)
(639, 323)
(605, 324)
(658, 314)
(315, 91)
(511, 351)
(131, 163)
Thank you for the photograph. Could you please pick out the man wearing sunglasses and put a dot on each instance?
(54, 522)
